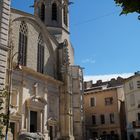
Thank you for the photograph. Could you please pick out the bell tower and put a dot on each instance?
(54, 14)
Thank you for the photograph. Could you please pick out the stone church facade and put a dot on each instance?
(45, 81)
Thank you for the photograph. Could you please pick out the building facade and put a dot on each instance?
(4, 28)
(42, 98)
(132, 104)
(104, 110)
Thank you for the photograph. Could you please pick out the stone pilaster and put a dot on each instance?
(4, 28)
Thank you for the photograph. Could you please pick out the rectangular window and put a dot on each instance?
(139, 117)
(102, 119)
(40, 58)
(93, 119)
(138, 84)
(92, 102)
(108, 101)
(112, 118)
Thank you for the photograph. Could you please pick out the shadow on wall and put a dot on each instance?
(49, 68)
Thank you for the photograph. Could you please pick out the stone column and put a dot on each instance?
(45, 123)
(41, 121)
(23, 119)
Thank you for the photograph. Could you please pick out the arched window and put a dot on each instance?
(42, 12)
(23, 32)
(40, 55)
(54, 11)
(65, 15)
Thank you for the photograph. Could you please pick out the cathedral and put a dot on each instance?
(46, 87)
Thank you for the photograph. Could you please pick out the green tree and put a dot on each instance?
(3, 116)
(129, 6)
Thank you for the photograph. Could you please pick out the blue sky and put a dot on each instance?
(104, 42)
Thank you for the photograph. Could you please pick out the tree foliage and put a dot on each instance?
(129, 6)
(3, 116)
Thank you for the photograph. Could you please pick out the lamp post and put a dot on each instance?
(9, 81)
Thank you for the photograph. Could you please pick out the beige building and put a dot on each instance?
(104, 110)
(44, 81)
(4, 28)
(132, 104)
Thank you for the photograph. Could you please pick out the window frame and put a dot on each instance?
(22, 46)
(54, 11)
(102, 118)
(40, 55)
(93, 119)
(42, 12)
(92, 102)
(108, 101)
(138, 117)
(112, 118)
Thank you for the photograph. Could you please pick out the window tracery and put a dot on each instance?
(23, 33)
(40, 54)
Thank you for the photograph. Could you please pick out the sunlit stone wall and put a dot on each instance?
(4, 28)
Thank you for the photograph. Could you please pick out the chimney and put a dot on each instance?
(88, 84)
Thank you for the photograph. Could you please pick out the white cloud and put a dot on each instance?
(108, 77)
(89, 60)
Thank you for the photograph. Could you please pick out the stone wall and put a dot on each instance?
(32, 42)
(77, 99)
(4, 27)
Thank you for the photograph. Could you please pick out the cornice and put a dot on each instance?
(31, 72)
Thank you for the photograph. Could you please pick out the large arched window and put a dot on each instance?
(54, 11)
(42, 12)
(23, 32)
(65, 15)
(40, 55)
